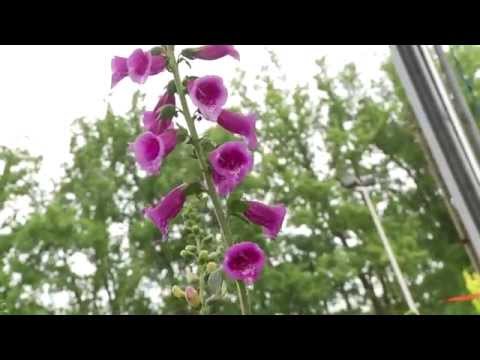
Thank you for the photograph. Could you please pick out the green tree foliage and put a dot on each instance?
(328, 260)
(18, 189)
(338, 264)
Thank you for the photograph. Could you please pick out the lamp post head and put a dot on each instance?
(349, 181)
(367, 180)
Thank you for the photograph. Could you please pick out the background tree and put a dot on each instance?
(18, 190)
(340, 262)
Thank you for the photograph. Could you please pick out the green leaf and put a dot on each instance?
(215, 280)
(158, 50)
(188, 53)
(237, 206)
(207, 145)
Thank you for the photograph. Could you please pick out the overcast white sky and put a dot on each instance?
(44, 88)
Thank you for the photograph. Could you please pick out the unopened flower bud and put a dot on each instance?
(213, 255)
(203, 256)
(171, 87)
(207, 238)
(167, 111)
(211, 267)
(191, 248)
(178, 292)
(192, 296)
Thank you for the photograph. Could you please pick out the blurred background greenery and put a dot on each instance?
(85, 248)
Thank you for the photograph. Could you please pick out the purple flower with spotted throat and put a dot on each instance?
(244, 261)
(231, 163)
(209, 95)
(138, 66)
(151, 149)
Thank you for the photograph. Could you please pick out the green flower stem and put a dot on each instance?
(201, 277)
(219, 213)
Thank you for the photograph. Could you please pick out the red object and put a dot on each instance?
(463, 298)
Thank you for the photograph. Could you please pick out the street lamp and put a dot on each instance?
(361, 185)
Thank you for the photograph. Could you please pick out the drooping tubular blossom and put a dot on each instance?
(244, 261)
(168, 208)
(153, 124)
(153, 120)
(209, 95)
(243, 125)
(270, 218)
(212, 52)
(139, 66)
(151, 149)
(119, 69)
(231, 163)
(166, 99)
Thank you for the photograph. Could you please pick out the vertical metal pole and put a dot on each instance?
(459, 99)
(407, 295)
(473, 132)
(445, 136)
